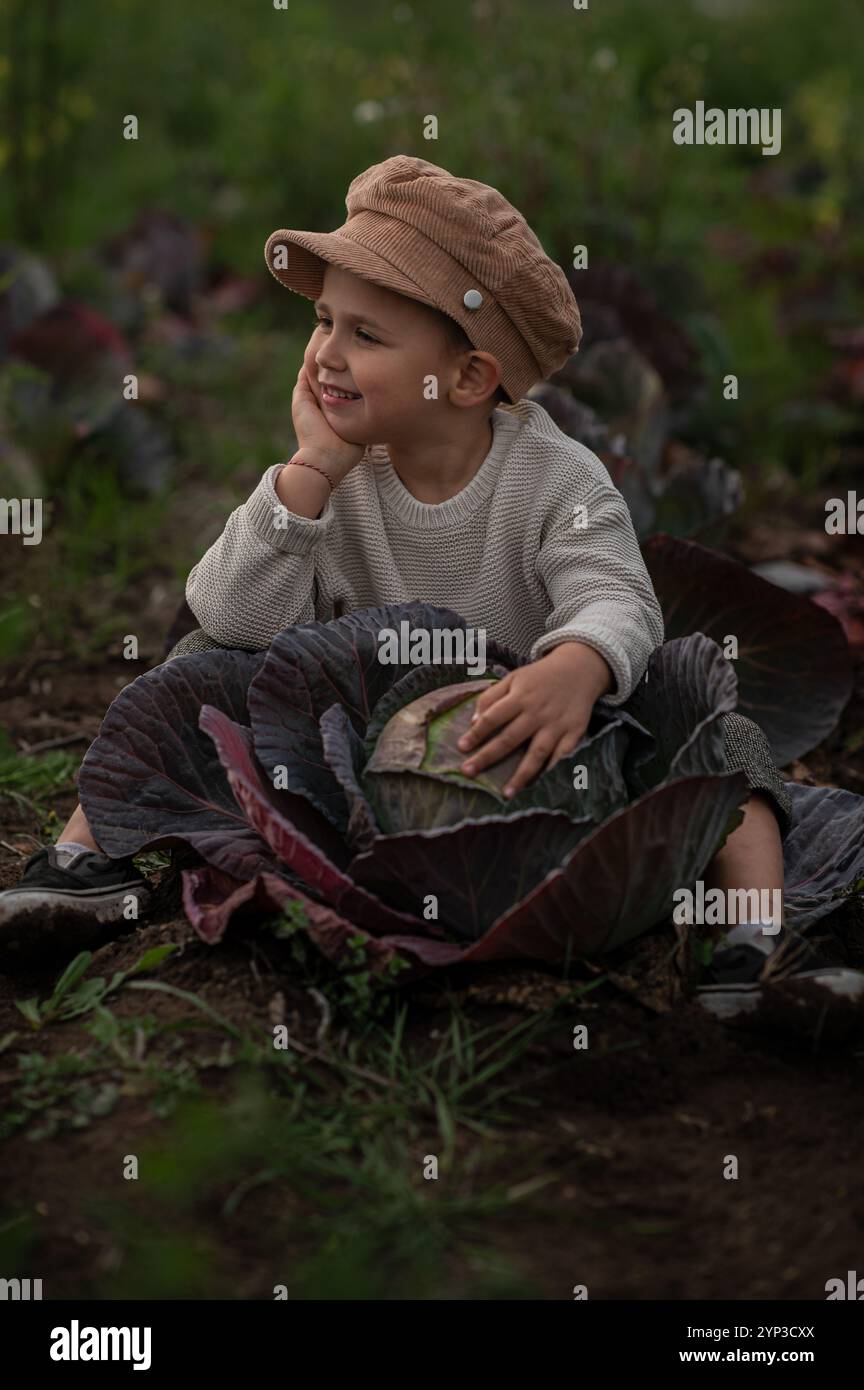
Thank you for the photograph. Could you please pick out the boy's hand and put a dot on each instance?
(548, 701)
(314, 435)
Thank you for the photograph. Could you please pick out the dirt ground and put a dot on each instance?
(635, 1132)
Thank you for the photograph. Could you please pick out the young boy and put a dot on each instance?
(436, 309)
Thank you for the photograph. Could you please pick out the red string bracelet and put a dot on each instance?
(304, 463)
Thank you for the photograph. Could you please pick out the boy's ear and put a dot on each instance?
(479, 377)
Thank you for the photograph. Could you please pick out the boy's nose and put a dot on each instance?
(328, 359)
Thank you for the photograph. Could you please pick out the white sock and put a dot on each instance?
(755, 935)
(69, 851)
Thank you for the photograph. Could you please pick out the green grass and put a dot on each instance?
(73, 995)
(31, 782)
(341, 1152)
(334, 1137)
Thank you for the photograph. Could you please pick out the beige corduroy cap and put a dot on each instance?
(452, 243)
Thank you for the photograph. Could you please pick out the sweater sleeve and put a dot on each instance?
(600, 590)
(259, 575)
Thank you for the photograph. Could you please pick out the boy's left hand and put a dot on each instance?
(548, 701)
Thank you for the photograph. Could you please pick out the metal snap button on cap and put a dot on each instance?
(472, 299)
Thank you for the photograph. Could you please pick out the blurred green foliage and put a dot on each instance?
(570, 111)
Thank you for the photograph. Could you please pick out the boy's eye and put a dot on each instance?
(323, 320)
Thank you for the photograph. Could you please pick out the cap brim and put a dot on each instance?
(307, 255)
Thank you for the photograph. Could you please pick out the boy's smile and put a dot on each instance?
(336, 398)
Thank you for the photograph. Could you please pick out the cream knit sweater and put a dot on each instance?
(538, 549)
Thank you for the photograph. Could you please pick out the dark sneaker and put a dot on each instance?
(794, 981)
(739, 964)
(56, 908)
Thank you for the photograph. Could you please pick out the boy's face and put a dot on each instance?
(379, 344)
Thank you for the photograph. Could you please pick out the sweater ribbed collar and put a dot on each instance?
(429, 516)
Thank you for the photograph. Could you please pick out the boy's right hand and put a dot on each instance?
(315, 438)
